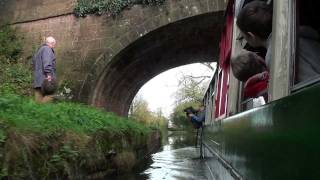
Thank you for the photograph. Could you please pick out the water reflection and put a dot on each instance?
(180, 163)
(178, 159)
(179, 139)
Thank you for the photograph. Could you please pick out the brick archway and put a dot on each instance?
(87, 48)
(191, 40)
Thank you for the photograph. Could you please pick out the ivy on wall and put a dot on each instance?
(109, 7)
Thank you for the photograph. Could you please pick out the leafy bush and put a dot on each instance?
(110, 7)
(15, 75)
(15, 78)
(140, 112)
(153, 2)
(10, 46)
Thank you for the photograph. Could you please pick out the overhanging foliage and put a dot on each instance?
(109, 7)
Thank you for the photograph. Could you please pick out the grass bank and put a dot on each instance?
(67, 140)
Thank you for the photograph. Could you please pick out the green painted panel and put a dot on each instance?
(280, 140)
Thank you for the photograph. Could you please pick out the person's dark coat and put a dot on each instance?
(44, 64)
(198, 119)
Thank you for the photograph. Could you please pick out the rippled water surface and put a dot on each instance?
(177, 159)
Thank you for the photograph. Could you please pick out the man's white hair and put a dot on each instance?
(50, 40)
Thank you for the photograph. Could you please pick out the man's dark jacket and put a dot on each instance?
(44, 64)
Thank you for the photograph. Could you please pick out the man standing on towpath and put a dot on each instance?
(44, 69)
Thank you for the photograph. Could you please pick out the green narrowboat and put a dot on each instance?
(277, 139)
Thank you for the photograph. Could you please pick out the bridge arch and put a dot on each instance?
(105, 60)
(190, 40)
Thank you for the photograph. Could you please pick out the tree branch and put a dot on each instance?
(208, 65)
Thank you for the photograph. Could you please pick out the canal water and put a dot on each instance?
(178, 159)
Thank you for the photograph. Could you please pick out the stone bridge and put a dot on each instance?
(106, 60)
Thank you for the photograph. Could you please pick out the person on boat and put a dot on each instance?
(255, 24)
(251, 69)
(197, 117)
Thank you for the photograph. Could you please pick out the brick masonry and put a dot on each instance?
(86, 46)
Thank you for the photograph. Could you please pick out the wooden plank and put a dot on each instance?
(282, 48)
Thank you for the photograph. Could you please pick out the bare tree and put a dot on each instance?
(192, 88)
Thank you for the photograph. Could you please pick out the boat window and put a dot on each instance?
(307, 62)
(258, 94)
(209, 102)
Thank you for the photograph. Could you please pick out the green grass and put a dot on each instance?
(63, 140)
(25, 115)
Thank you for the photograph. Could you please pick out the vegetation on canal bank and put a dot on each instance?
(109, 7)
(190, 93)
(60, 140)
(15, 72)
(26, 115)
(67, 140)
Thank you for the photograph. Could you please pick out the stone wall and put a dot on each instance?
(87, 46)
(14, 11)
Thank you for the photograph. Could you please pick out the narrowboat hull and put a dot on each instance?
(280, 140)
